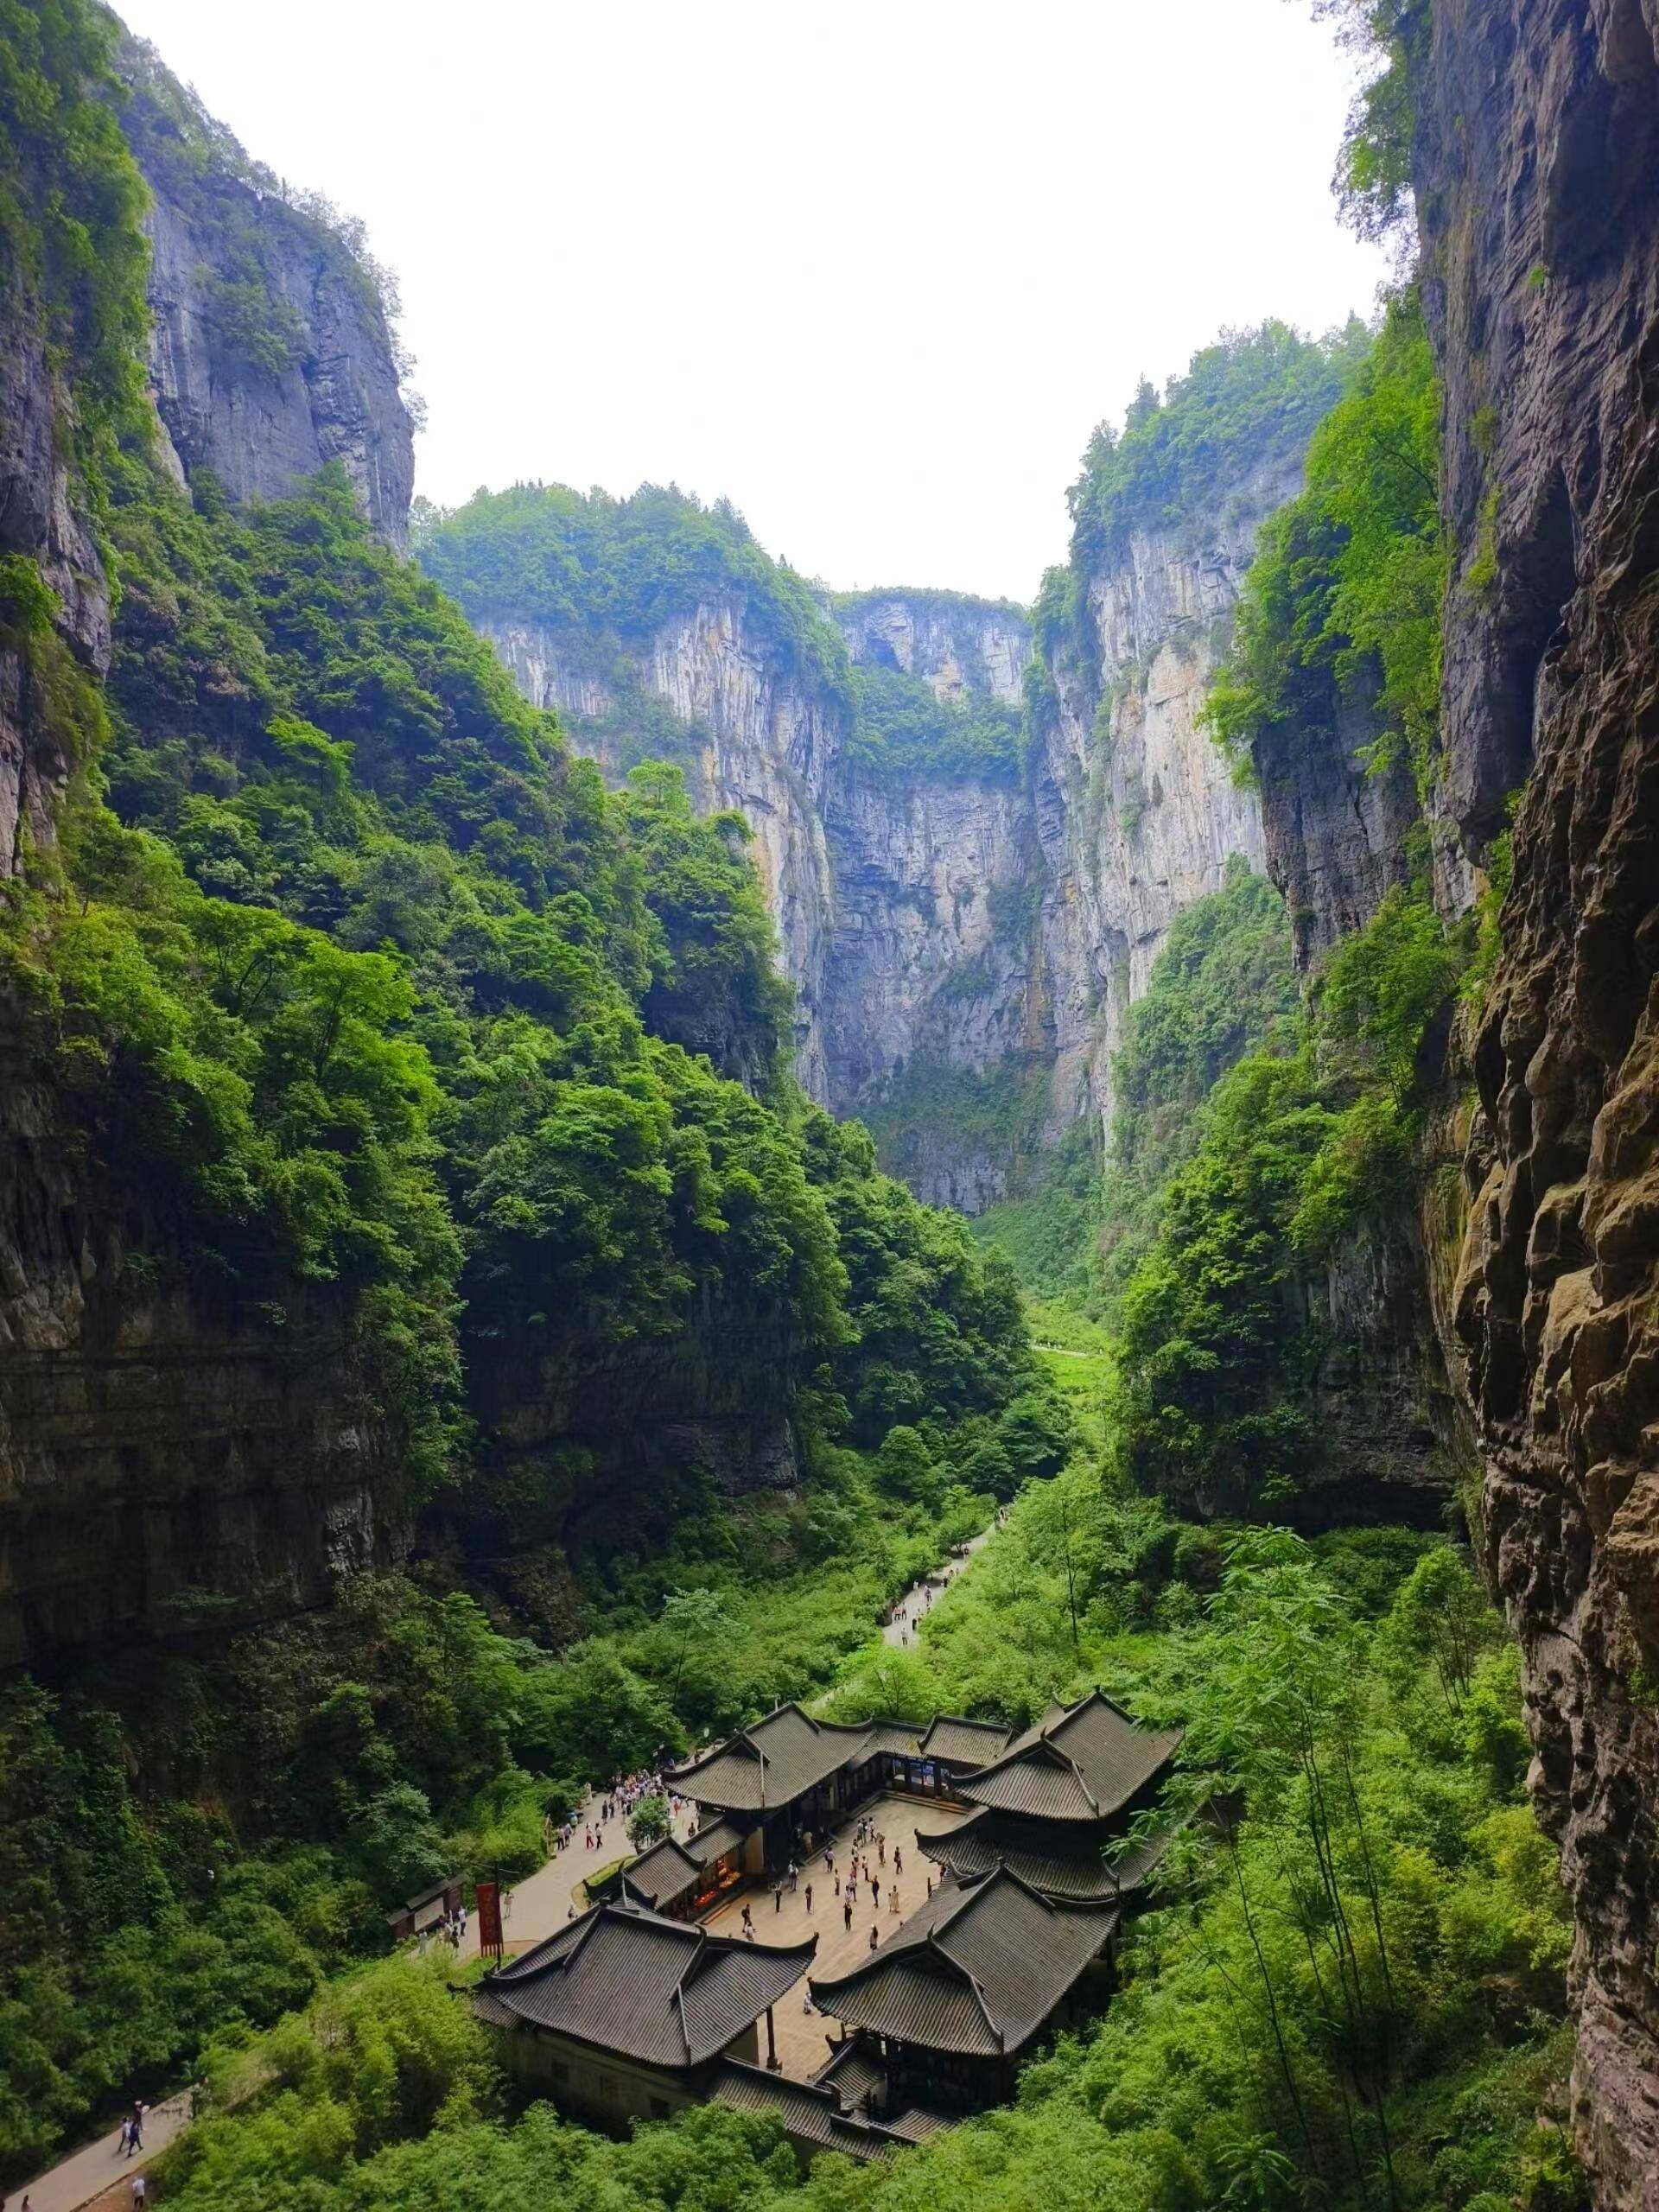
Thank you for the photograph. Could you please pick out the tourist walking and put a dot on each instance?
(809, 1897)
(847, 1915)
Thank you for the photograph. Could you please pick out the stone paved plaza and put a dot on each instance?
(803, 2037)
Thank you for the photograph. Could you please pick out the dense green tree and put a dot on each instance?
(1346, 587)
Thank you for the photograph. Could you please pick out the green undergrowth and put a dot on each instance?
(1352, 1988)
(1299, 1144)
(307, 1777)
(934, 1115)
(1342, 605)
(899, 727)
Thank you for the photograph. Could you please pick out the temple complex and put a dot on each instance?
(637, 2006)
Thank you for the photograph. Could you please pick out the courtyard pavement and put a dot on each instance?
(803, 2033)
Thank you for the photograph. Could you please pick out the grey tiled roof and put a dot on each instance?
(664, 1872)
(629, 1980)
(789, 1752)
(714, 1841)
(813, 2112)
(769, 1765)
(892, 1736)
(1067, 1861)
(669, 1868)
(977, 1970)
(919, 2123)
(964, 1742)
(853, 2070)
(1082, 1763)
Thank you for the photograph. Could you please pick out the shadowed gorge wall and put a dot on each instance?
(1538, 188)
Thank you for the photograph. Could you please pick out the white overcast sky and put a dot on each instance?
(872, 271)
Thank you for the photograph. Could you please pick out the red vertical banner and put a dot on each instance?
(489, 1919)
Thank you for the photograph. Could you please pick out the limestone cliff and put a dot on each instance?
(1335, 830)
(754, 733)
(1135, 809)
(42, 522)
(174, 1456)
(965, 907)
(270, 353)
(929, 985)
(176, 1453)
(1537, 176)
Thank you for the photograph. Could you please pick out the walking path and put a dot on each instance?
(540, 1903)
(906, 1616)
(86, 2175)
(534, 1907)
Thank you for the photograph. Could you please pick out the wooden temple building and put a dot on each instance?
(790, 1779)
(634, 2009)
(945, 2011)
(1021, 1937)
(628, 2015)
(1054, 1806)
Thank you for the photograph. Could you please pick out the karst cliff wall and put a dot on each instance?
(964, 940)
(752, 731)
(1135, 809)
(1537, 180)
(188, 1448)
(175, 1454)
(270, 354)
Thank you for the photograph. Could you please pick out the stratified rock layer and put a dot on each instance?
(174, 1456)
(1538, 178)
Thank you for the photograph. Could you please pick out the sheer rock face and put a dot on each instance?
(40, 520)
(955, 924)
(757, 736)
(712, 1402)
(160, 1439)
(930, 968)
(170, 1460)
(1136, 813)
(1538, 187)
(1335, 832)
(327, 388)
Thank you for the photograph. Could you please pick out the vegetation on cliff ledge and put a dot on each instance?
(1343, 600)
(596, 570)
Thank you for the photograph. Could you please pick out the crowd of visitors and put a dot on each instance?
(617, 1801)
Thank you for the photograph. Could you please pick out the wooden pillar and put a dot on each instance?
(773, 2062)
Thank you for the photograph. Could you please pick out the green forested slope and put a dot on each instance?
(343, 958)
